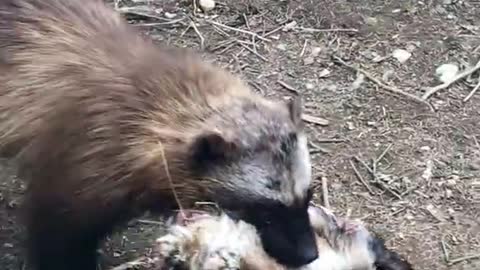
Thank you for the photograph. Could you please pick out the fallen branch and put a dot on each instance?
(381, 84)
(432, 90)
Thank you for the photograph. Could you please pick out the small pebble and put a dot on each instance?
(316, 51)
(448, 193)
(169, 15)
(206, 5)
(401, 55)
(308, 60)
(309, 86)
(324, 73)
(446, 72)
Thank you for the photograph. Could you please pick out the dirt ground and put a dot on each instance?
(418, 170)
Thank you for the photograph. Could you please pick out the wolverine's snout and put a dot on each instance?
(286, 234)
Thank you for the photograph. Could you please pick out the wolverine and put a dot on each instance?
(105, 125)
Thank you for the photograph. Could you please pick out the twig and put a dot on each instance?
(314, 30)
(398, 211)
(158, 23)
(464, 258)
(138, 12)
(474, 90)
(326, 203)
(360, 178)
(381, 84)
(149, 222)
(194, 5)
(364, 165)
(432, 90)
(383, 153)
(315, 120)
(288, 87)
(199, 34)
(318, 149)
(304, 48)
(142, 261)
(386, 188)
(238, 30)
(330, 140)
(252, 51)
(170, 181)
(445, 250)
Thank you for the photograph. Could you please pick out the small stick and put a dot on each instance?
(432, 90)
(382, 85)
(149, 222)
(170, 181)
(360, 178)
(318, 149)
(304, 48)
(364, 165)
(473, 91)
(330, 140)
(386, 188)
(445, 250)
(158, 23)
(314, 30)
(142, 261)
(326, 203)
(287, 86)
(315, 120)
(202, 39)
(253, 51)
(383, 153)
(464, 258)
(238, 30)
(136, 11)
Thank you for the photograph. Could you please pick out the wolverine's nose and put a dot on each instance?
(307, 255)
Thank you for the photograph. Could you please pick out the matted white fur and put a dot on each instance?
(218, 242)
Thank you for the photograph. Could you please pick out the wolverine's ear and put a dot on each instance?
(295, 108)
(211, 146)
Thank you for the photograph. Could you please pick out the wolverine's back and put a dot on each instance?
(85, 103)
(105, 125)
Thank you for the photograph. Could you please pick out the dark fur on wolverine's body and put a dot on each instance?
(100, 119)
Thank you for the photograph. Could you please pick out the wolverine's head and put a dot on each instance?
(254, 162)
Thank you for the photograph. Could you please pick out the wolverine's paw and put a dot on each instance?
(222, 259)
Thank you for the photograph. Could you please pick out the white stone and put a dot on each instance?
(206, 5)
(446, 72)
(401, 55)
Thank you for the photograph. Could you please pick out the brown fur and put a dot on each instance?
(96, 115)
